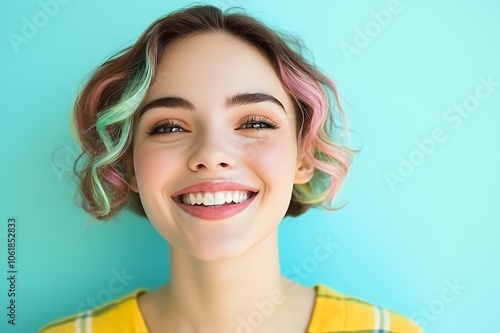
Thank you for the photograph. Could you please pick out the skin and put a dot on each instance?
(220, 268)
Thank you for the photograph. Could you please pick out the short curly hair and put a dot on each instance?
(104, 112)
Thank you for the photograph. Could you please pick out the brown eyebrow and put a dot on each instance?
(237, 99)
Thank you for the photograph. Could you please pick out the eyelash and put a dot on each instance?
(253, 120)
(260, 121)
(163, 124)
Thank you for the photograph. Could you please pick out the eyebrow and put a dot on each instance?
(237, 99)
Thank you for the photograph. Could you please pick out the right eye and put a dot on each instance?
(166, 127)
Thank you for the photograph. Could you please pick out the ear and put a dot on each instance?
(131, 178)
(305, 169)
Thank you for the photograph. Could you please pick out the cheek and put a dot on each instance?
(272, 159)
(150, 164)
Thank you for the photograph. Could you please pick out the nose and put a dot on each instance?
(212, 153)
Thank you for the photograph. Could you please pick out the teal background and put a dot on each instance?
(395, 246)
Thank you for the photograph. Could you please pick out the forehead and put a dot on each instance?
(208, 66)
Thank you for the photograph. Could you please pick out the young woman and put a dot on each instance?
(215, 129)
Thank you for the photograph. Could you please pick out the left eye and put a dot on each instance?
(258, 123)
(166, 127)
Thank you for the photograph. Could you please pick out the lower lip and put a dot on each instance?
(215, 212)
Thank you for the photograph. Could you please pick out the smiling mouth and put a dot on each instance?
(214, 199)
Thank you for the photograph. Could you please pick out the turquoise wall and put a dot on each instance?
(421, 85)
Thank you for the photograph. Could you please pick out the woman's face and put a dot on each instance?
(221, 123)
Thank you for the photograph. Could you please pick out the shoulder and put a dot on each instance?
(121, 315)
(337, 312)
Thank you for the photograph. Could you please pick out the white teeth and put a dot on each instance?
(199, 199)
(215, 198)
(208, 199)
(219, 198)
(229, 197)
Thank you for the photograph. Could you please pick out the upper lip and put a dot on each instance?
(214, 186)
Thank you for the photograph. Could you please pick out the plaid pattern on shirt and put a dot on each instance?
(333, 313)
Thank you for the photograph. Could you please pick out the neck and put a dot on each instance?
(220, 296)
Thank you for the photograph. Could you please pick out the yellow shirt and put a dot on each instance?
(333, 312)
